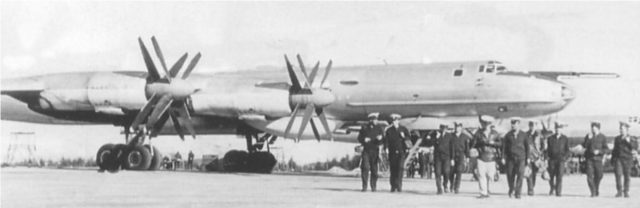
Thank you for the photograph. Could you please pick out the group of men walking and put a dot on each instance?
(523, 154)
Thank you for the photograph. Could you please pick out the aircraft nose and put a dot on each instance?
(567, 93)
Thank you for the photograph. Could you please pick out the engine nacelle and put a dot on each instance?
(109, 91)
(274, 103)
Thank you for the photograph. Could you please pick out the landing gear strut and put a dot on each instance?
(257, 158)
(132, 155)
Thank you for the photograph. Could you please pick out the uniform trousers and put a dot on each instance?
(369, 167)
(396, 163)
(486, 172)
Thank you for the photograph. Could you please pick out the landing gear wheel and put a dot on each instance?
(235, 161)
(156, 158)
(104, 157)
(137, 158)
(261, 162)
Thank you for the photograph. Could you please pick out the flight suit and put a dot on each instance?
(394, 141)
(622, 159)
(459, 150)
(370, 137)
(536, 147)
(557, 153)
(594, 161)
(441, 160)
(516, 152)
(487, 146)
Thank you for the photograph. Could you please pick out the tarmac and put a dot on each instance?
(33, 187)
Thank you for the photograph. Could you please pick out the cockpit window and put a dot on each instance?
(502, 69)
(481, 68)
(490, 68)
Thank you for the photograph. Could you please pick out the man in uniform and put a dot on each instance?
(624, 147)
(394, 142)
(487, 142)
(557, 153)
(441, 158)
(459, 150)
(595, 145)
(536, 147)
(516, 152)
(370, 137)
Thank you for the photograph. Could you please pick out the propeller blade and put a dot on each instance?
(144, 112)
(158, 126)
(304, 72)
(314, 71)
(176, 124)
(162, 107)
(187, 122)
(177, 66)
(315, 129)
(293, 118)
(326, 72)
(193, 63)
(156, 47)
(325, 123)
(184, 111)
(305, 119)
(151, 68)
(292, 75)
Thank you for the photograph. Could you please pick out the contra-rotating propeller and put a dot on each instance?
(309, 98)
(168, 95)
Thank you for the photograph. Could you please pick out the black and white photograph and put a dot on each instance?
(319, 103)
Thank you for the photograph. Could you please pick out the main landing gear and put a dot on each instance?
(257, 158)
(133, 155)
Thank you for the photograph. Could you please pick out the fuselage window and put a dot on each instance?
(481, 68)
(501, 68)
(457, 72)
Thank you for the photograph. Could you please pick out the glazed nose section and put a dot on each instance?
(567, 93)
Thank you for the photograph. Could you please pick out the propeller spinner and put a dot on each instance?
(308, 98)
(167, 96)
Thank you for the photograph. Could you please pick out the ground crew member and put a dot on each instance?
(428, 163)
(190, 160)
(595, 145)
(516, 152)
(370, 137)
(557, 153)
(441, 158)
(459, 150)
(177, 160)
(624, 147)
(536, 147)
(394, 142)
(487, 142)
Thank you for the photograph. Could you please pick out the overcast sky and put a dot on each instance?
(61, 36)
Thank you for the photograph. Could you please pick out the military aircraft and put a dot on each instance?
(263, 105)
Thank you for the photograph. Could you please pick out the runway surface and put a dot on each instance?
(23, 187)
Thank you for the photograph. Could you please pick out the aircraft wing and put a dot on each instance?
(571, 74)
(22, 89)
